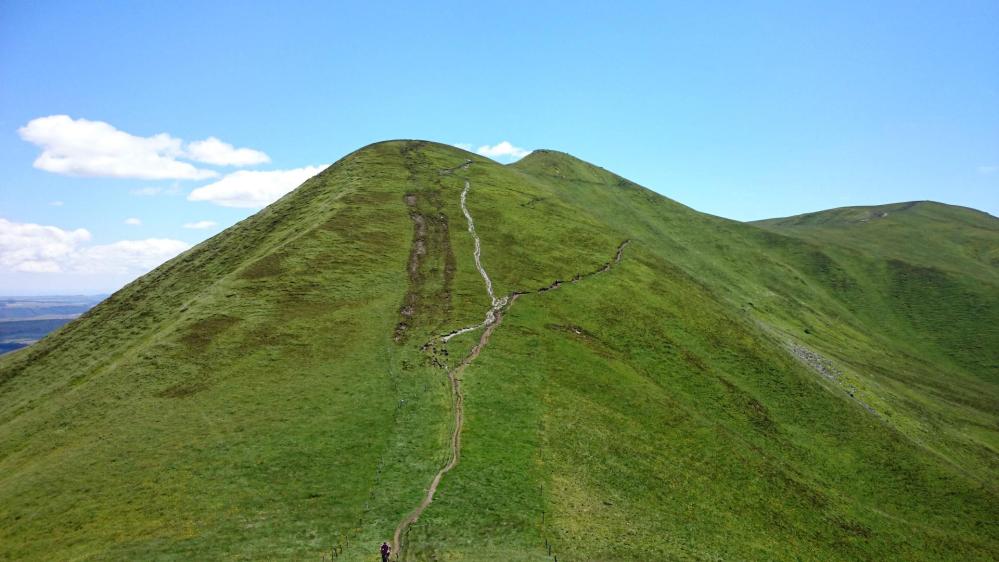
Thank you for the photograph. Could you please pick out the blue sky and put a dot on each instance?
(745, 110)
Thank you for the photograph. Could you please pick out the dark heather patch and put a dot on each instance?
(754, 410)
(693, 360)
(851, 528)
(794, 489)
(584, 336)
(182, 390)
(200, 334)
(267, 266)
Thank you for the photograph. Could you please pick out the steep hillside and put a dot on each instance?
(936, 266)
(637, 381)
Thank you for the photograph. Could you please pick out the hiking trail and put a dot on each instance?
(493, 318)
(497, 304)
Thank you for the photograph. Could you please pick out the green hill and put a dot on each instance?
(925, 233)
(645, 381)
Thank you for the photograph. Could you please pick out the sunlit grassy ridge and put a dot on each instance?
(923, 233)
(265, 395)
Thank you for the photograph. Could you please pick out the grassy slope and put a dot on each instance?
(950, 254)
(239, 399)
(924, 233)
(652, 411)
(677, 425)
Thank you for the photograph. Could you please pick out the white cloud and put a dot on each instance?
(152, 191)
(147, 191)
(57, 203)
(214, 151)
(33, 248)
(501, 150)
(200, 225)
(37, 248)
(80, 147)
(132, 221)
(126, 256)
(253, 189)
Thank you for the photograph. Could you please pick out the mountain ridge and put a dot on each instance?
(877, 209)
(726, 391)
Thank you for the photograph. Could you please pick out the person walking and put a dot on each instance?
(386, 552)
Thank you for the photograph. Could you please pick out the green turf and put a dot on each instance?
(264, 396)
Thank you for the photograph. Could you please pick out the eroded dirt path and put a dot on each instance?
(458, 406)
(497, 304)
(493, 318)
(477, 254)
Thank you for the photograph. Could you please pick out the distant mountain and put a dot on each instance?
(25, 320)
(923, 233)
(566, 363)
(25, 308)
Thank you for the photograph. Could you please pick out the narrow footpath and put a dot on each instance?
(493, 318)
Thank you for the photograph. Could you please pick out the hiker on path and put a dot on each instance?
(386, 551)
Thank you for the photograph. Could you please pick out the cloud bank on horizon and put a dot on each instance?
(253, 189)
(34, 248)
